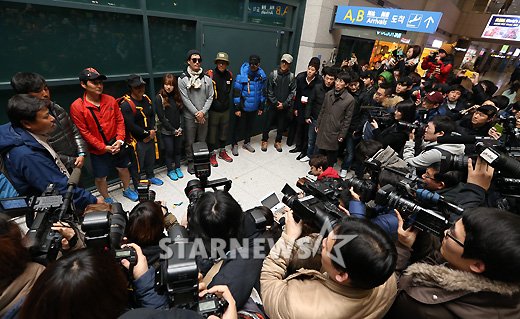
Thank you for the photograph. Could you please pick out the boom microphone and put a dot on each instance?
(72, 183)
(462, 139)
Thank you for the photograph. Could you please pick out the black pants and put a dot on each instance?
(275, 116)
(332, 156)
(172, 151)
(247, 119)
(302, 134)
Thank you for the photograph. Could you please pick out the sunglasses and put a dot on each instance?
(254, 64)
(194, 60)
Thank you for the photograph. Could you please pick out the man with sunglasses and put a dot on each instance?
(474, 274)
(197, 92)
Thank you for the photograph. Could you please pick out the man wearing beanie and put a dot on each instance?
(197, 95)
(438, 65)
(249, 100)
(281, 89)
(298, 130)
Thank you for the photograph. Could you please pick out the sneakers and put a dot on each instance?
(264, 146)
(173, 175)
(109, 200)
(213, 160)
(294, 150)
(234, 150)
(130, 194)
(248, 147)
(224, 155)
(343, 173)
(156, 181)
(278, 146)
(300, 156)
(191, 169)
(179, 172)
(304, 159)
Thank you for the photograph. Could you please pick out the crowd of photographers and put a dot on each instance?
(419, 221)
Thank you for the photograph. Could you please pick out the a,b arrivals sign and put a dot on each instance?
(395, 19)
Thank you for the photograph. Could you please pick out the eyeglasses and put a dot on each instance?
(448, 233)
(194, 60)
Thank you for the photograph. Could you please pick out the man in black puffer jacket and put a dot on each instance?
(65, 139)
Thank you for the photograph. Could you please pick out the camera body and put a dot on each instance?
(44, 243)
(144, 192)
(104, 230)
(211, 305)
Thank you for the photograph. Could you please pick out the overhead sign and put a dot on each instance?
(408, 20)
(391, 34)
(503, 27)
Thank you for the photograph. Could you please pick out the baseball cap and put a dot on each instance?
(135, 80)
(434, 97)
(222, 56)
(287, 58)
(487, 109)
(90, 74)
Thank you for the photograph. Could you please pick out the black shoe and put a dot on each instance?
(295, 150)
(299, 157)
(191, 169)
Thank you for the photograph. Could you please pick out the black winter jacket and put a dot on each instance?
(66, 139)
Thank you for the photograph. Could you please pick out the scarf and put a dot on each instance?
(195, 81)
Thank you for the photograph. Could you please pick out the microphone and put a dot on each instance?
(72, 183)
(462, 139)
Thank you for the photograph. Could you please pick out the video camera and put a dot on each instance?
(381, 115)
(413, 214)
(196, 187)
(487, 149)
(44, 243)
(178, 277)
(318, 208)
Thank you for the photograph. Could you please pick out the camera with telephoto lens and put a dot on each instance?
(314, 212)
(326, 189)
(177, 277)
(408, 127)
(104, 231)
(44, 243)
(196, 187)
(381, 115)
(413, 214)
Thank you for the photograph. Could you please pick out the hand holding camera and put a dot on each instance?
(141, 267)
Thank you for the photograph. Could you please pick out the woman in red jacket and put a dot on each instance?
(438, 66)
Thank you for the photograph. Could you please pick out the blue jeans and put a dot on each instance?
(311, 145)
(350, 145)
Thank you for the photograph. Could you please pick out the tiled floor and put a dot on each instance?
(253, 176)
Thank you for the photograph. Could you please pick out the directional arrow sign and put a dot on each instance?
(428, 21)
(384, 18)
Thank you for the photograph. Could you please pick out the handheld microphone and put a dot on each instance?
(72, 183)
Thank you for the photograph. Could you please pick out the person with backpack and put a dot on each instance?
(169, 109)
(249, 100)
(197, 92)
(139, 117)
(219, 112)
(101, 124)
(281, 90)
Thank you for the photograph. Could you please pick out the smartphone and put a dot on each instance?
(499, 128)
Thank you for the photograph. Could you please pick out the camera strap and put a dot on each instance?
(212, 272)
(100, 129)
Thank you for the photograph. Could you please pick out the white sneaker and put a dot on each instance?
(343, 173)
(304, 159)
